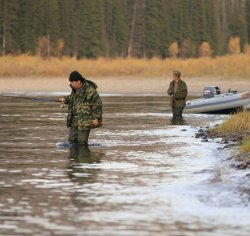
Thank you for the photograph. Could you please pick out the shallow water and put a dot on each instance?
(141, 176)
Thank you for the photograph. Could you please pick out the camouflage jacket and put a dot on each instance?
(179, 96)
(84, 105)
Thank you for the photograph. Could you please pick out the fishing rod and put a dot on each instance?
(36, 99)
(31, 98)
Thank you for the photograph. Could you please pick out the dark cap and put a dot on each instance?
(177, 73)
(75, 75)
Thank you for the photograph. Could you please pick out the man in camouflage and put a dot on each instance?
(178, 92)
(84, 108)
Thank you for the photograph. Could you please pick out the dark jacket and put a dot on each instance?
(85, 105)
(178, 98)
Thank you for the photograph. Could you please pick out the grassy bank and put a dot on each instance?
(237, 125)
(230, 66)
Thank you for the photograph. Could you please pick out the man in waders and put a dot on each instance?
(84, 108)
(178, 92)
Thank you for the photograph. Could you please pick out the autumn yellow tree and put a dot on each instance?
(43, 47)
(174, 50)
(234, 45)
(247, 49)
(59, 47)
(205, 50)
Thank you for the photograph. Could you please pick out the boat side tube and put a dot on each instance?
(226, 101)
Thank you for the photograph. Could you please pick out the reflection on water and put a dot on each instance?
(79, 166)
(143, 175)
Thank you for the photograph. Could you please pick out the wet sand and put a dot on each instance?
(120, 85)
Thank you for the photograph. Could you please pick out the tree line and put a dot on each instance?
(123, 28)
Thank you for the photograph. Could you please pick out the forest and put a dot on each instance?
(124, 28)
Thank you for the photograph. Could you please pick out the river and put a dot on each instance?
(141, 175)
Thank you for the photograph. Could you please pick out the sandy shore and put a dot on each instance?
(120, 85)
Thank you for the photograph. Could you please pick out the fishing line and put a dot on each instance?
(32, 98)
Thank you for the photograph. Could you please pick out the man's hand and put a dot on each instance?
(61, 100)
(170, 92)
(95, 122)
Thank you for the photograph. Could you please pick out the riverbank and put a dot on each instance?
(26, 73)
(235, 133)
(126, 85)
(235, 141)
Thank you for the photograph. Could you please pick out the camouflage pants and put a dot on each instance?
(78, 136)
(177, 113)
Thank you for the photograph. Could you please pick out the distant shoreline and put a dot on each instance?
(118, 85)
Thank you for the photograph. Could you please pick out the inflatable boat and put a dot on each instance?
(214, 101)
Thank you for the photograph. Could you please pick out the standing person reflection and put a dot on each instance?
(79, 168)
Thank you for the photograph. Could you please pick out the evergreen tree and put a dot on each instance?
(111, 28)
(215, 26)
(48, 21)
(92, 30)
(79, 24)
(120, 28)
(185, 26)
(237, 22)
(248, 19)
(137, 29)
(116, 27)
(152, 28)
(109, 34)
(27, 25)
(8, 9)
(166, 37)
(66, 24)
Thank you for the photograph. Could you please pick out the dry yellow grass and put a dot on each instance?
(245, 147)
(237, 123)
(230, 66)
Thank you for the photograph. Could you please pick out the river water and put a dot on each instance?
(141, 174)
